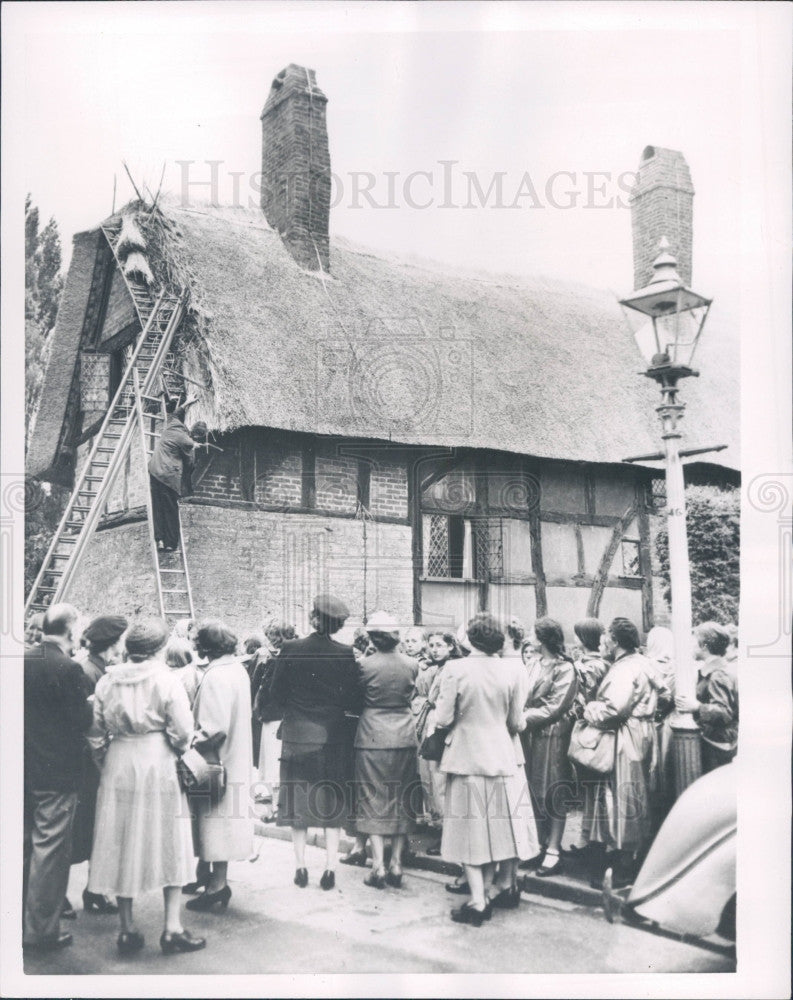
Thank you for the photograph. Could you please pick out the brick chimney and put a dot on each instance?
(662, 205)
(296, 184)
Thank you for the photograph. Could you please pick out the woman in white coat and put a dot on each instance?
(223, 831)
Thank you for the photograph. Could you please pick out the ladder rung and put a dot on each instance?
(81, 506)
(163, 570)
(175, 592)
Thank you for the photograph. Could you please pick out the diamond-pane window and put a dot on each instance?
(489, 548)
(438, 550)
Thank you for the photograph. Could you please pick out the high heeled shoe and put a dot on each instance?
(301, 877)
(194, 887)
(354, 858)
(95, 902)
(546, 871)
(394, 878)
(506, 899)
(209, 900)
(328, 880)
(183, 941)
(375, 880)
(129, 942)
(458, 888)
(468, 914)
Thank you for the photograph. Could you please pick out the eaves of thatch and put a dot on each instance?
(414, 352)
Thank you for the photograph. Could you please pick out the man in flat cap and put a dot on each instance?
(57, 716)
(169, 472)
(103, 647)
(315, 681)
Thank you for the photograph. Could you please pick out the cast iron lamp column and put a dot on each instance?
(678, 316)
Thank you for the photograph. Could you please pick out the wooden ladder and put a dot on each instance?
(173, 580)
(108, 452)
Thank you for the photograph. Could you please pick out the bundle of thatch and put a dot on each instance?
(136, 266)
(130, 238)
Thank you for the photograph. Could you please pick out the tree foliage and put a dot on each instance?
(713, 518)
(43, 287)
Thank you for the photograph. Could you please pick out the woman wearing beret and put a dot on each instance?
(142, 841)
(102, 640)
(387, 785)
(315, 681)
(223, 830)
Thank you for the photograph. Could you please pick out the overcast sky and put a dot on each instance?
(570, 89)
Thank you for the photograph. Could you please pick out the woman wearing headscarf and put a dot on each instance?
(387, 787)
(546, 738)
(590, 668)
(488, 819)
(441, 649)
(142, 722)
(223, 830)
(103, 644)
(625, 704)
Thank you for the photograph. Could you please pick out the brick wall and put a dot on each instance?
(278, 477)
(116, 574)
(662, 204)
(337, 483)
(296, 182)
(248, 567)
(388, 491)
(222, 478)
(120, 311)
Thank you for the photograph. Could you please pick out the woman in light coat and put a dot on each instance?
(625, 703)
(487, 810)
(142, 722)
(223, 831)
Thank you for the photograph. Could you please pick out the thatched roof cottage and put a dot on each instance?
(411, 436)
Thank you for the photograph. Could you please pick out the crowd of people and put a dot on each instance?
(487, 735)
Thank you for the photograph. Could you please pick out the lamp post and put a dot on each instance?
(669, 341)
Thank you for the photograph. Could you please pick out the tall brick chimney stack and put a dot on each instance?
(296, 183)
(662, 204)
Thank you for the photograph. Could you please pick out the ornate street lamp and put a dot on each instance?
(669, 343)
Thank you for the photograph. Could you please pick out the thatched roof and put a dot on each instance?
(416, 352)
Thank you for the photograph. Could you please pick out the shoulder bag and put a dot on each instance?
(201, 774)
(432, 746)
(592, 748)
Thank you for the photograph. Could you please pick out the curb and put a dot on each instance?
(566, 889)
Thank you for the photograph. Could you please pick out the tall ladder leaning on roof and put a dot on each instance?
(173, 580)
(159, 317)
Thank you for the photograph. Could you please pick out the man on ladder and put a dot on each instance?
(169, 472)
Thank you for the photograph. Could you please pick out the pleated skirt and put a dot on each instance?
(488, 819)
(387, 790)
(142, 836)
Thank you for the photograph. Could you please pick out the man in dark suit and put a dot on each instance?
(315, 681)
(169, 473)
(57, 716)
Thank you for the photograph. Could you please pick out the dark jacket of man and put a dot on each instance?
(315, 681)
(57, 714)
(173, 455)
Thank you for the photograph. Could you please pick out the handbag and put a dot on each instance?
(592, 748)
(201, 774)
(421, 718)
(432, 746)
